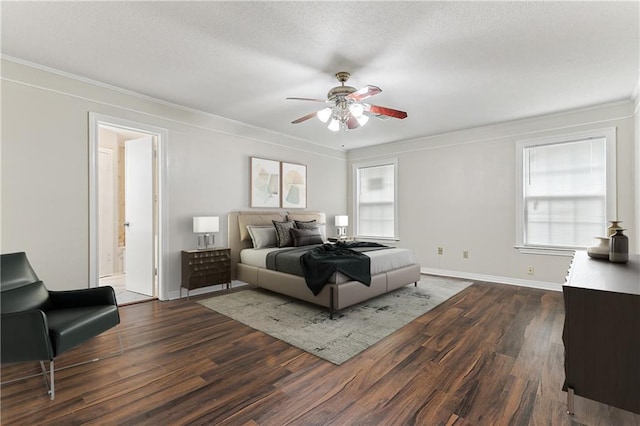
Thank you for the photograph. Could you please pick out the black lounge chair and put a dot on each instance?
(39, 325)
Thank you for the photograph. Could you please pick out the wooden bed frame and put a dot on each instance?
(333, 296)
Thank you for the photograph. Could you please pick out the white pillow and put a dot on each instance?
(262, 236)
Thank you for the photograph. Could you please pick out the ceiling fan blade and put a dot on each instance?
(309, 99)
(364, 93)
(304, 118)
(390, 112)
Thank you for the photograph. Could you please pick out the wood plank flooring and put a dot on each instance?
(491, 355)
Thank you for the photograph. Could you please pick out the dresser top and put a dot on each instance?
(205, 250)
(600, 274)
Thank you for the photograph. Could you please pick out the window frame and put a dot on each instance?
(356, 197)
(609, 134)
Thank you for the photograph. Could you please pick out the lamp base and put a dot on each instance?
(206, 241)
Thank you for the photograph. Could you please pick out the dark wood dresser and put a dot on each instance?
(205, 267)
(602, 332)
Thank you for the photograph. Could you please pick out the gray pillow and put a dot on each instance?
(283, 233)
(306, 225)
(312, 224)
(305, 237)
(263, 236)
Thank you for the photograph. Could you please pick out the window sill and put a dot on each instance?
(548, 251)
(367, 238)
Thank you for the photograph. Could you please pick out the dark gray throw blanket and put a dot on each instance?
(322, 262)
(317, 263)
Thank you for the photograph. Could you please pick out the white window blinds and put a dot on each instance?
(376, 200)
(565, 193)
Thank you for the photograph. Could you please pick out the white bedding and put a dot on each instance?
(381, 260)
(256, 257)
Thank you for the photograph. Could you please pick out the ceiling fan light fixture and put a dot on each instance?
(346, 109)
(324, 114)
(356, 110)
(362, 119)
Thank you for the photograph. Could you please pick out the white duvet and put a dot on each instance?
(381, 260)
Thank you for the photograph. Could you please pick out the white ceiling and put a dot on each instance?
(450, 65)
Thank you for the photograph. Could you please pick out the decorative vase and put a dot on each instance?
(619, 247)
(614, 225)
(601, 251)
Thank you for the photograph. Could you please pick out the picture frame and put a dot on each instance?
(294, 186)
(264, 184)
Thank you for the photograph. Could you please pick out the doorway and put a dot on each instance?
(126, 226)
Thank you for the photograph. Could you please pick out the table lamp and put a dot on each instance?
(204, 226)
(341, 225)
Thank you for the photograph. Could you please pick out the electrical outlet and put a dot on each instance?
(530, 270)
(465, 254)
(440, 250)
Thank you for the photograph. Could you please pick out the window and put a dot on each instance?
(375, 199)
(567, 190)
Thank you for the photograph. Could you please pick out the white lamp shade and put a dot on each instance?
(324, 114)
(204, 224)
(356, 110)
(362, 120)
(342, 220)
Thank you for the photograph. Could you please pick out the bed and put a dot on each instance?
(390, 268)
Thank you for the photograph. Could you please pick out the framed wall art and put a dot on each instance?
(294, 186)
(265, 183)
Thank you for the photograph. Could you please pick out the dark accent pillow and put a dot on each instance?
(305, 237)
(306, 225)
(283, 233)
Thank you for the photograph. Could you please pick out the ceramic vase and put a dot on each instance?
(601, 250)
(613, 226)
(619, 247)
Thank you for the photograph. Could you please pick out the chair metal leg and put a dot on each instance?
(52, 388)
(120, 352)
(50, 383)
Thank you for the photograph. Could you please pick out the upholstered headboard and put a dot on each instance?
(239, 238)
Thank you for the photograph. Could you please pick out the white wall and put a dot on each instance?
(457, 191)
(45, 169)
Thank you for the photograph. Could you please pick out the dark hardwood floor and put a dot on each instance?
(491, 355)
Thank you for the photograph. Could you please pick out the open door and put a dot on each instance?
(139, 214)
(148, 249)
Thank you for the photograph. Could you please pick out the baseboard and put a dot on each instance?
(173, 295)
(543, 285)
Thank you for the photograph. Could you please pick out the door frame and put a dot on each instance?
(162, 137)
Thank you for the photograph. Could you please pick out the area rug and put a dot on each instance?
(351, 330)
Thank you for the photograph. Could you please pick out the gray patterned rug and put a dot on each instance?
(351, 331)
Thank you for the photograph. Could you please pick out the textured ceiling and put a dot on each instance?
(450, 65)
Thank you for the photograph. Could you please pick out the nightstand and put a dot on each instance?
(202, 268)
(336, 239)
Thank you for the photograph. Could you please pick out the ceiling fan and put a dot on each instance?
(345, 107)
